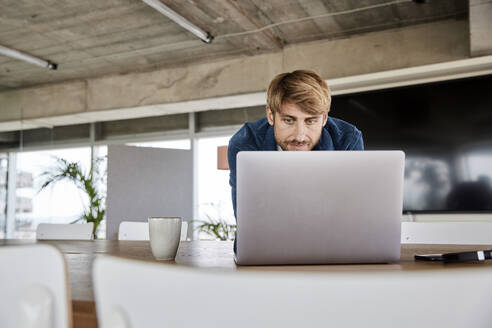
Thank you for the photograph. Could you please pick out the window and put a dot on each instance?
(100, 154)
(214, 191)
(62, 202)
(479, 164)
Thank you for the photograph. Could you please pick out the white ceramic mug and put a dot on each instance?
(165, 233)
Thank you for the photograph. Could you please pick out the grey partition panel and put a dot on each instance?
(145, 182)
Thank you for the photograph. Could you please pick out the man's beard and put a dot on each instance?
(294, 143)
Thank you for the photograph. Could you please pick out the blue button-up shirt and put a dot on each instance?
(258, 136)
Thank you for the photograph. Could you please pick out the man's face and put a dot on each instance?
(295, 129)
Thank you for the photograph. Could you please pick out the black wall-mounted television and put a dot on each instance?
(445, 129)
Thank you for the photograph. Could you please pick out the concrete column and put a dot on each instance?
(480, 27)
(11, 195)
(194, 149)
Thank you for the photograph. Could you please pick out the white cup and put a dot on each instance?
(165, 233)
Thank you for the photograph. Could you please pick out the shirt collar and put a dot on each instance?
(325, 142)
(269, 143)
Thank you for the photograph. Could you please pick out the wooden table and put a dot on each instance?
(211, 254)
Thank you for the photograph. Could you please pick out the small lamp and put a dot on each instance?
(222, 163)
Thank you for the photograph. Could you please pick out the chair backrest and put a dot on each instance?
(130, 230)
(184, 230)
(464, 233)
(165, 294)
(34, 287)
(51, 231)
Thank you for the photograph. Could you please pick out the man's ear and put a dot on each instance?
(325, 118)
(269, 114)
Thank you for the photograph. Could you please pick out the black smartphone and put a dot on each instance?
(429, 257)
(457, 257)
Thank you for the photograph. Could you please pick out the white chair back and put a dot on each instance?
(184, 230)
(462, 233)
(51, 231)
(165, 294)
(34, 288)
(130, 230)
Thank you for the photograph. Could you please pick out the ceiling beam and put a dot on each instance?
(351, 84)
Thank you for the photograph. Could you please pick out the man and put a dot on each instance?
(297, 119)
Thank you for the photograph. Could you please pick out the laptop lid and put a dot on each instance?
(319, 207)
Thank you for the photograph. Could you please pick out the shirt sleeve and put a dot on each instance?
(232, 151)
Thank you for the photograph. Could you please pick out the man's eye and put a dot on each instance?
(288, 120)
(311, 121)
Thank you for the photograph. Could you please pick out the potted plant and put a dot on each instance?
(217, 228)
(85, 181)
(215, 225)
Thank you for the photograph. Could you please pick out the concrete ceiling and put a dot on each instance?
(92, 38)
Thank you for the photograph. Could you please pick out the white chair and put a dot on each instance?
(184, 230)
(462, 233)
(130, 230)
(165, 294)
(34, 288)
(51, 231)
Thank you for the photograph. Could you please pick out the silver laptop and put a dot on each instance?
(319, 207)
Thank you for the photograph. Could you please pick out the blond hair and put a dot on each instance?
(302, 87)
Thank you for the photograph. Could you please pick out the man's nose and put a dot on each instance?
(300, 132)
